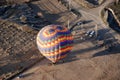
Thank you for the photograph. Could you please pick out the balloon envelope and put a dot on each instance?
(54, 42)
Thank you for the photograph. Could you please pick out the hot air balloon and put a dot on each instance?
(54, 42)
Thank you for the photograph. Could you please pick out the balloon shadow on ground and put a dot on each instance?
(69, 58)
(72, 56)
(108, 51)
(111, 44)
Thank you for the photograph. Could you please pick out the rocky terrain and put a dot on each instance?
(115, 8)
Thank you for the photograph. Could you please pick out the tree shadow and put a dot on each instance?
(4, 11)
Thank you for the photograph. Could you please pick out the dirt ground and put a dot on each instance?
(90, 58)
(87, 61)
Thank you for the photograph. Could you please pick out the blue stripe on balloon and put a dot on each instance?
(70, 41)
(57, 46)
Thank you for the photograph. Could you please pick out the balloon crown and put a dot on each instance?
(54, 42)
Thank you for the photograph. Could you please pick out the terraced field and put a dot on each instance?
(16, 49)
